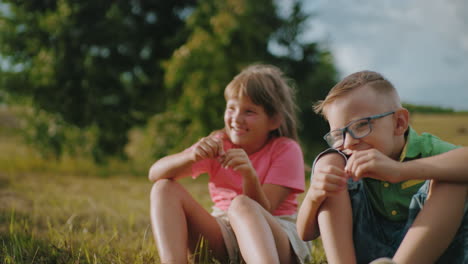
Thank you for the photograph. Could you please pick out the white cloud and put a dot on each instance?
(421, 46)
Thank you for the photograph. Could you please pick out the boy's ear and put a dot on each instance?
(402, 121)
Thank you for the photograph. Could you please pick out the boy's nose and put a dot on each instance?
(349, 141)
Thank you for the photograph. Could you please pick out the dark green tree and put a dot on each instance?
(96, 63)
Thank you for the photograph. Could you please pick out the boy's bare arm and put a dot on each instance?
(451, 166)
(329, 178)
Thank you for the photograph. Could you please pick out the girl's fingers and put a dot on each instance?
(212, 147)
(231, 162)
(220, 147)
(207, 150)
(200, 152)
(234, 158)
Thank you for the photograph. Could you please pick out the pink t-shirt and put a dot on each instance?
(279, 162)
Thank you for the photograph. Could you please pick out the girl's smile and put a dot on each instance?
(247, 124)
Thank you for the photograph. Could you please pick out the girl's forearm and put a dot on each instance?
(170, 167)
(253, 189)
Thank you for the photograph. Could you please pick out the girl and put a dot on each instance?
(256, 171)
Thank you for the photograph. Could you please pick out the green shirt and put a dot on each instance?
(392, 200)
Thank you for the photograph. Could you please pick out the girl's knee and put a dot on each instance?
(164, 188)
(240, 205)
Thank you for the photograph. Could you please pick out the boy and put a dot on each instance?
(406, 192)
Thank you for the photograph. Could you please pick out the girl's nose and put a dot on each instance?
(236, 117)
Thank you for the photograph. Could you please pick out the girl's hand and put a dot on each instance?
(328, 178)
(237, 160)
(372, 163)
(208, 148)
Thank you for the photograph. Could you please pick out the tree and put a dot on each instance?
(96, 63)
(114, 64)
(225, 37)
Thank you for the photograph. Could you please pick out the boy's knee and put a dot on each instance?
(239, 205)
(447, 188)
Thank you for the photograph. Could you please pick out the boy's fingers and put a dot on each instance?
(334, 170)
(331, 172)
(327, 187)
(330, 178)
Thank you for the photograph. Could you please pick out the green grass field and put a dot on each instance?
(72, 211)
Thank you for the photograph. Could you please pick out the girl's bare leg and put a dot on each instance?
(261, 238)
(178, 221)
(435, 226)
(336, 228)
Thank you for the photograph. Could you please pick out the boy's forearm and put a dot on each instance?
(435, 226)
(451, 166)
(307, 223)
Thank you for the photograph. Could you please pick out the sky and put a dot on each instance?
(421, 46)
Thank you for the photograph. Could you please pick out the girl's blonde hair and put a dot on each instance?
(356, 80)
(267, 86)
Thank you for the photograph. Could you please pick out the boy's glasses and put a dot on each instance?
(357, 129)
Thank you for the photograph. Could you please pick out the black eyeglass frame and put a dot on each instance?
(346, 129)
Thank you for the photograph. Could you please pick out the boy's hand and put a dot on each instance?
(372, 163)
(328, 178)
(208, 148)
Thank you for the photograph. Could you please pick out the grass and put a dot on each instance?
(66, 212)
(449, 127)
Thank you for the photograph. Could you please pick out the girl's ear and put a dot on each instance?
(402, 121)
(275, 122)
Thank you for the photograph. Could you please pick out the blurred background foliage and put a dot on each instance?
(138, 80)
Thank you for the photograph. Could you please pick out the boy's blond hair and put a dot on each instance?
(356, 80)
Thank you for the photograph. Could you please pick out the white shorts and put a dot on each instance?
(301, 248)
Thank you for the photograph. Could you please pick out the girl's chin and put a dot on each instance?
(236, 140)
